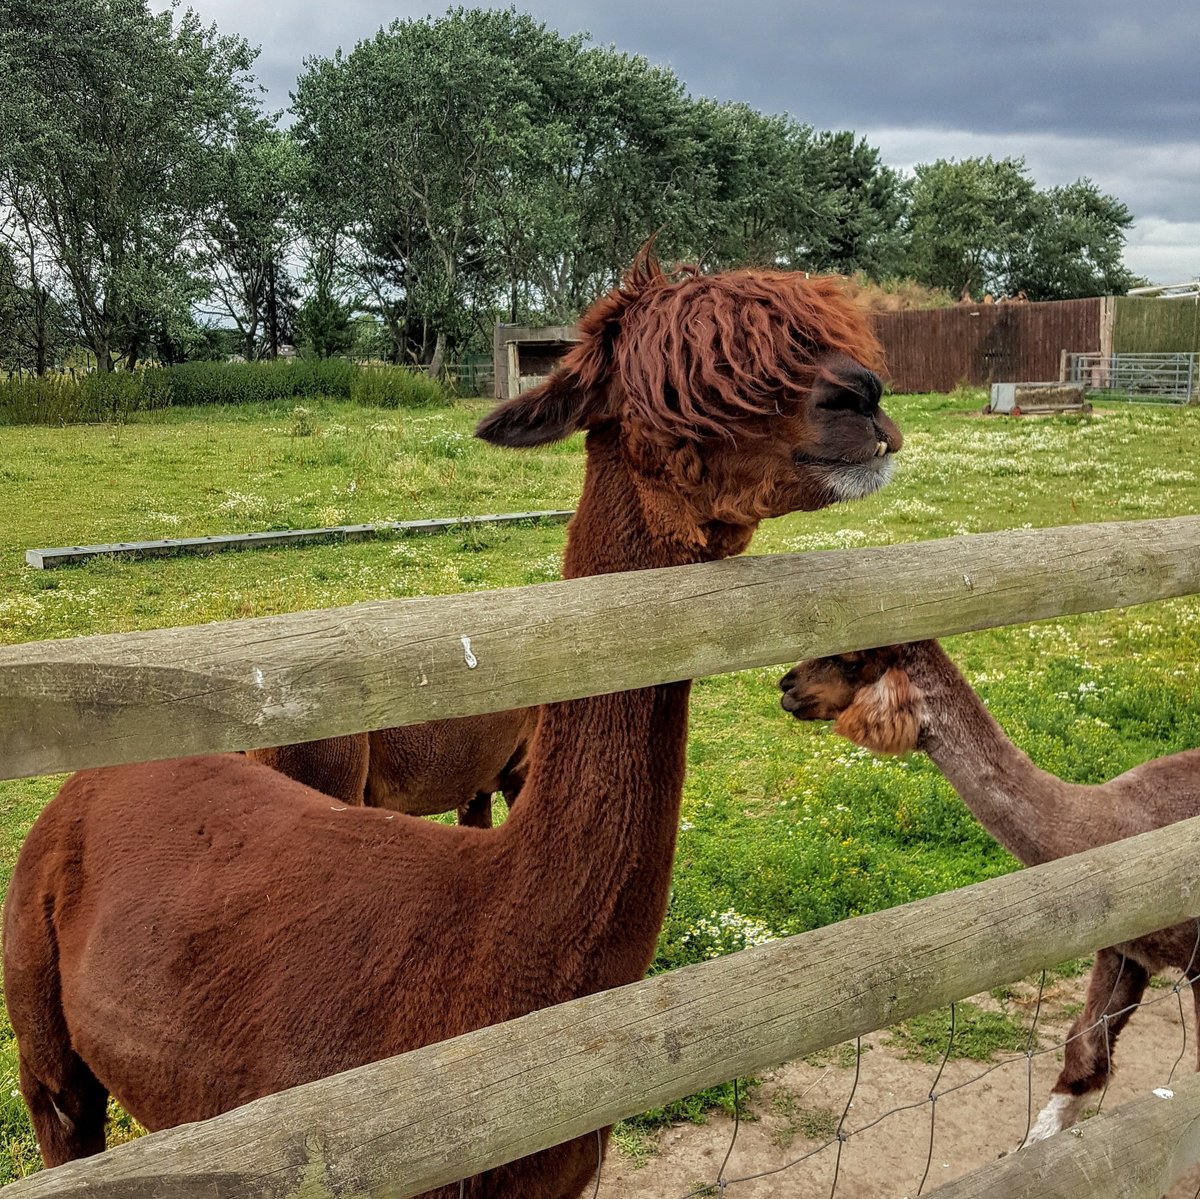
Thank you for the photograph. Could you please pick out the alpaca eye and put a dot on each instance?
(842, 400)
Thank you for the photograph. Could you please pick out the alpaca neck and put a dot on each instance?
(593, 836)
(1033, 814)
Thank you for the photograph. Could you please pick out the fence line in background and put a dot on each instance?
(452, 1109)
(94, 701)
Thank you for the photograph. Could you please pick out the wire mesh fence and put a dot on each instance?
(820, 1167)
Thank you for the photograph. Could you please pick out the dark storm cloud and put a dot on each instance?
(1105, 67)
(1102, 88)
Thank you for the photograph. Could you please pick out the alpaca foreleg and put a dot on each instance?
(477, 811)
(1114, 991)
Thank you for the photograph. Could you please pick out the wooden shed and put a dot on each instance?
(524, 355)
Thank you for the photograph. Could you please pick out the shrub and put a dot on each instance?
(395, 387)
(195, 384)
(62, 398)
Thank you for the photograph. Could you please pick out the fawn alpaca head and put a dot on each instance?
(734, 397)
(869, 695)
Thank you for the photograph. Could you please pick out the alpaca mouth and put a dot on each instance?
(847, 480)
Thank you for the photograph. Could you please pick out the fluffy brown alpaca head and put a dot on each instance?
(868, 695)
(735, 397)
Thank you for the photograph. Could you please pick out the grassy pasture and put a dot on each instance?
(784, 827)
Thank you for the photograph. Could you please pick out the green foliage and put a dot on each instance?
(111, 113)
(980, 225)
(323, 324)
(72, 398)
(206, 383)
(58, 399)
(978, 1034)
(395, 387)
(966, 221)
(246, 220)
(1074, 247)
(695, 1109)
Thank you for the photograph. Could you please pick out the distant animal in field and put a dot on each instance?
(905, 697)
(190, 935)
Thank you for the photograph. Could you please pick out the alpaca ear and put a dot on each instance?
(576, 395)
(549, 412)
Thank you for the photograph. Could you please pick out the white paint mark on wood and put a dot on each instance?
(468, 657)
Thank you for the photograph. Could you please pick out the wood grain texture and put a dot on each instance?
(95, 701)
(398, 1127)
(1135, 1151)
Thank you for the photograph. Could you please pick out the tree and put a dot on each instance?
(111, 113)
(246, 229)
(400, 138)
(967, 220)
(35, 326)
(868, 207)
(615, 158)
(761, 189)
(1074, 247)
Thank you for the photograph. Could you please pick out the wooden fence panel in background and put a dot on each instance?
(936, 349)
(1145, 326)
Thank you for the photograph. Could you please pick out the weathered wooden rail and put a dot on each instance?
(1134, 1152)
(398, 1127)
(95, 701)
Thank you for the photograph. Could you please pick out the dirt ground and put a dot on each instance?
(797, 1107)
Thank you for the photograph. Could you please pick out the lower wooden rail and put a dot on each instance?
(1135, 1151)
(399, 1127)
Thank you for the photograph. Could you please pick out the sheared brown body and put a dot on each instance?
(905, 697)
(453, 765)
(189, 935)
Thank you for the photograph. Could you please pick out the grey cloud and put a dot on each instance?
(1101, 88)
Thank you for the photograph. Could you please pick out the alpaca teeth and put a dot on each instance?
(881, 448)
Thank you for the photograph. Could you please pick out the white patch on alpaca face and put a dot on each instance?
(63, 1118)
(855, 482)
(1061, 1112)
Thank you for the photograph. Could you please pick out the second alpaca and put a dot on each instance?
(905, 697)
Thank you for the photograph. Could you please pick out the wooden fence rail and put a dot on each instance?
(1134, 1152)
(95, 701)
(399, 1127)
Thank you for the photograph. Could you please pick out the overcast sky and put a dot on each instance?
(1104, 88)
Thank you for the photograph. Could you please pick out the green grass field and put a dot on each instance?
(784, 826)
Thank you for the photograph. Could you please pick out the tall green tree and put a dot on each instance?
(111, 113)
(35, 326)
(866, 204)
(1075, 246)
(401, 138)
(246, 228)
(967, 220)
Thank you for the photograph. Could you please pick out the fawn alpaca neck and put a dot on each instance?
(1035, 815)
(595, 829)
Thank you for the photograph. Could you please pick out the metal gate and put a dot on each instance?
(1155, 378)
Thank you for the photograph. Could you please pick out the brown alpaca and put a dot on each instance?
(906, 697)
(453, 765)
(177, 934)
